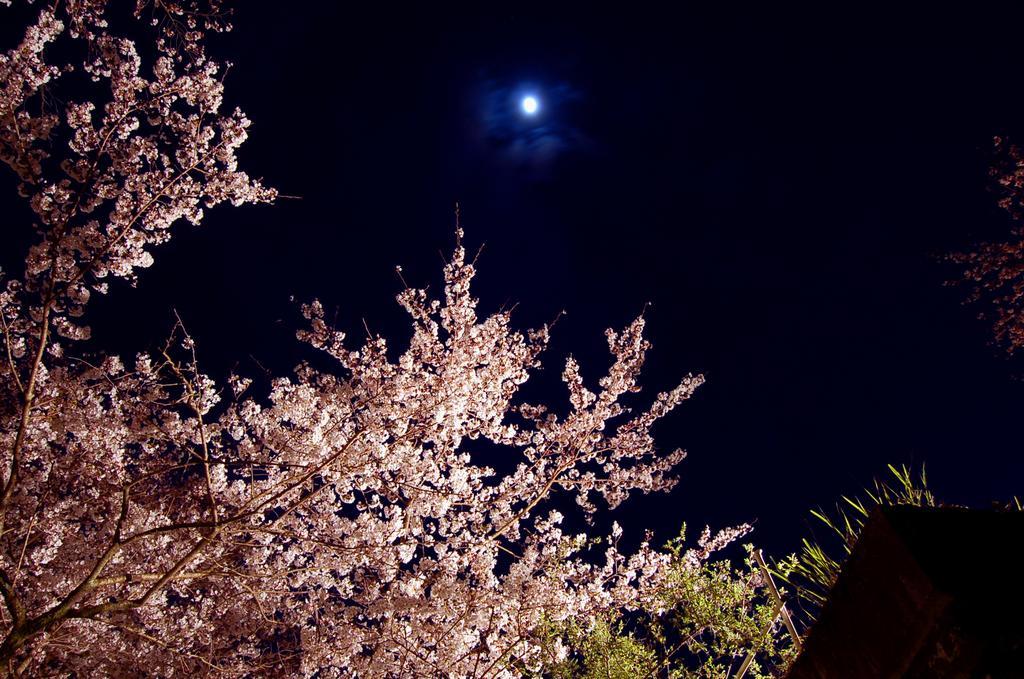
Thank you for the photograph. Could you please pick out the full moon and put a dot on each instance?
(530, 105)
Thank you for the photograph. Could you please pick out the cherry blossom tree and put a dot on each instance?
(153, 522)
(994, 271)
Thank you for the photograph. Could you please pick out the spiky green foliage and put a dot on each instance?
(813, 570)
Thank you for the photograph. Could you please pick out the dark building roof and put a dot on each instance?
(925, 593)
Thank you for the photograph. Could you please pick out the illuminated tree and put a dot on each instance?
(154, 523)
(994, 271)
(709, 619)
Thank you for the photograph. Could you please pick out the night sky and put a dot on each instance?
(777, 188)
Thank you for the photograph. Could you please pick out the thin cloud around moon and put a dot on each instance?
(530, 125)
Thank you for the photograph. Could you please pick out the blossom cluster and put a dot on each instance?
(350, 522)
(108, 174)
(994, 271)
(346, 523)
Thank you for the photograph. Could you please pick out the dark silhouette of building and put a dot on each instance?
(926, 592)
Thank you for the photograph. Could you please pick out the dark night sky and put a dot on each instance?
(775, 186)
